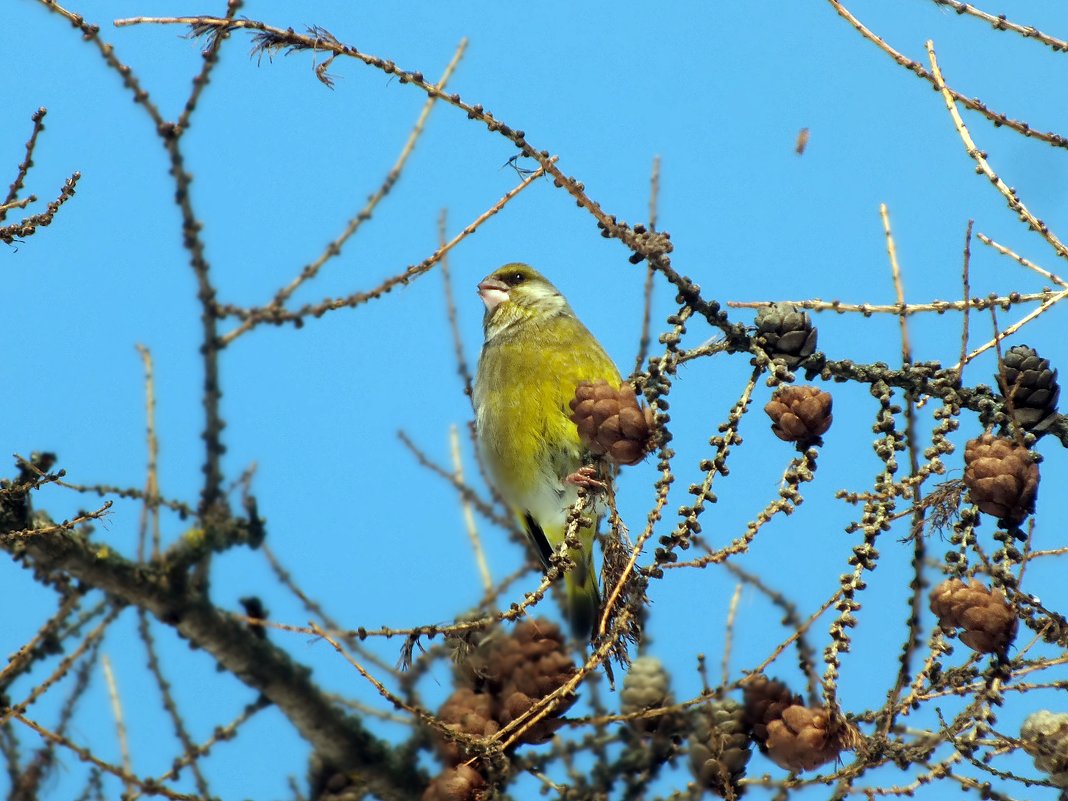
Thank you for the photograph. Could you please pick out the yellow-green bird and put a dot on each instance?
(535, 353)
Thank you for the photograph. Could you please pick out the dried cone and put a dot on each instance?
(1002, 477)
(536, 664)
(720, 747)
(519, 669)
(986, 618)
(1027, 379)
(803, 739)
(470, 713)
(765, 700)
(459, 783)
(611, 422)
(786, 333)
(799, 414)
(646, 686)
(1045, 737)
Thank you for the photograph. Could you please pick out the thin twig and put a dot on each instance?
(899, 289)
(210, 58)
(24, 166)
(1012, 329)
(116, 710)
(1022, 261)
(403, 278)
(918, 70)
(334, 248)
(148, 787)
(469, 517)
(999, 23)
(647, 292)
(966, 281)
(66, 525)
(934, 306)
(150, 507)
(728, 634)
(450, 312)
(144, 630)
(979, 157)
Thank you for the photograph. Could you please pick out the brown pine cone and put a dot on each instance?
(468, 712)
(536, 665)
(533, 659)
(765, 700)
(1002, 478)
(516, 670)
(459, 783)
(985, 616)
(804, 739)
(720, 747)
(611, 422)
(799, 414)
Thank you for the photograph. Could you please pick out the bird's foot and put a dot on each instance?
(586, 477)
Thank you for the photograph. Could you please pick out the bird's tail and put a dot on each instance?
(580, 583)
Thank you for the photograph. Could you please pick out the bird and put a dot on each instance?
(535, 354)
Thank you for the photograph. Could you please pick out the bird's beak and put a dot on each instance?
(493, 292)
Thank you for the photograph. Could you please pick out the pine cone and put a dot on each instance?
(1002, 478)
(786, 333)
(611, 422)
(765, 700)
(986, 617)
(468, 712)
(720, 747)
(799, 414)
(1045, 737)
(804, 739)
(459, 783)
(516, 670)
(646, 686)
(1027, 379)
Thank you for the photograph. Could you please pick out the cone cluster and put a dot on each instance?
(803, 738)
(1045, 736)
(794, 737)
(799, 414)
(786, 333)
(720, 747)
(503, 679)
(458, 783)
(611, 422)
(1002, 478)
(1031, 385)
(984, 616)
(765, 700)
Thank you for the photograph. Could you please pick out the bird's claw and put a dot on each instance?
(586, 477)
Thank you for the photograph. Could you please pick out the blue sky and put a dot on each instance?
(717, 91)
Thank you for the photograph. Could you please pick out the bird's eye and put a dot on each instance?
(516, 278)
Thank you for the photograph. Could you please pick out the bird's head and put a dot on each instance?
(515, 294)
